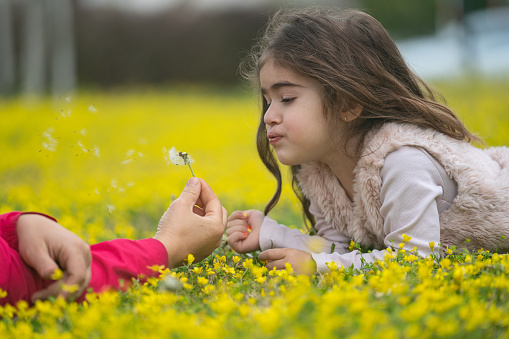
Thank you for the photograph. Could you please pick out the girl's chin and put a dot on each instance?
(285, 161)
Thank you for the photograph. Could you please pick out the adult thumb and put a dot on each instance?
(191, 192)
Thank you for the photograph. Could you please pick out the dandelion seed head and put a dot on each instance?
(175, 158)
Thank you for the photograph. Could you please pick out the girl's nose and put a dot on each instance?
(272, 117)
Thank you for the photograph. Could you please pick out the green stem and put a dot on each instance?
(191, 169)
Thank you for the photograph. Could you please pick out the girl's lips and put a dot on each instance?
(273, 138)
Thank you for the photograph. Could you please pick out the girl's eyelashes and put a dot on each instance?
(283, 100)
(287, 99)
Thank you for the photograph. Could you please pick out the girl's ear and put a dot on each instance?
(351, 111)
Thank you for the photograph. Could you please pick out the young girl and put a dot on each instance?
(372, 155)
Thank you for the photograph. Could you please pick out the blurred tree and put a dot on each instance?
(178, 45)
(403, 19)
(7, 55)
(37, 35)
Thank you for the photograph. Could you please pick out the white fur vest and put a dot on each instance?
(480, 211)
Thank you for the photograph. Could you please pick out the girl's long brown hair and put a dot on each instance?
(354, 60)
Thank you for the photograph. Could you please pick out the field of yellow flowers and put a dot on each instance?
(96, 162)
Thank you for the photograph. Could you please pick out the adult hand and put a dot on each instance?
(46, 246)
(239, 237)
(193, 224)
(302, 262)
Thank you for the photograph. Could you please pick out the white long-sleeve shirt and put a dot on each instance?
(415, 190)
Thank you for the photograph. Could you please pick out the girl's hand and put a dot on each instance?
(243, 230)
(302, 262)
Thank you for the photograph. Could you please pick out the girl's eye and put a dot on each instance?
(287, 99)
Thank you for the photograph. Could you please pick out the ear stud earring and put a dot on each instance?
(344, 118)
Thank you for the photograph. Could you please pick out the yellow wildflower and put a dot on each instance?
(57, 274)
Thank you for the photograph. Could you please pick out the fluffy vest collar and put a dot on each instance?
(480, 211)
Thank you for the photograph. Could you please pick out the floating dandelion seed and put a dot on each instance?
(82, 132)
(92, 109)
(64, 114)
(49, 143)
(179, 158)
(110, 208)
(84, 149)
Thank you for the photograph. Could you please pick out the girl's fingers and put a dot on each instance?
(235, 238)
(234, 223)
(238, 215)
(273, 254)
(278, 264)
(237, 228)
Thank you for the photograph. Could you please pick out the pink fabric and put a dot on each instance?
(112, 261)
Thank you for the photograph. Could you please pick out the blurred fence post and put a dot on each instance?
(7, 57)
(33, 78)
(61, 43)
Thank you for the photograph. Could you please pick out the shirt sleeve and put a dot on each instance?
(274, 235)
(8, 222)
(17, 278)
(115, 263)
(412, 197)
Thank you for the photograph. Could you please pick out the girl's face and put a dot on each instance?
(295, 123)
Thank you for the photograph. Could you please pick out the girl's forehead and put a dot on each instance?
(272, 74)
(272, 69)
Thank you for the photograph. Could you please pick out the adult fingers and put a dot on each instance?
(212, 205)
(199, 203)
(191, 192)
(197, 210)
(225, 216)
(42, 262)
(51, 291)
(77, 267)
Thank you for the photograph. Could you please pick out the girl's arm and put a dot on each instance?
(327, 240)
(415, 190)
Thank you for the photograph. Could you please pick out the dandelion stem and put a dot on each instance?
(192, 172)
(186, 161)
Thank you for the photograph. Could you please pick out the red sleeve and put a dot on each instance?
(17, 279)
(112, 261)
(8, 222)
(123, 259)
